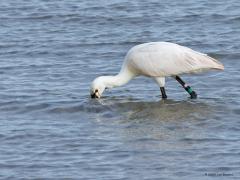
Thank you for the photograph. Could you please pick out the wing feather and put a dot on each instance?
(168, 59)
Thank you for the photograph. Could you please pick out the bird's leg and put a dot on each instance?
(161, 83)
(192, 93)
(164, 96)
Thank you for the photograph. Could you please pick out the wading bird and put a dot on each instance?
(157, 60)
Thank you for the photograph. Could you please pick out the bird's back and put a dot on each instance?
(160, 59)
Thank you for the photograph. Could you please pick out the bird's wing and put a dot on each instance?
(194, 62)
(169, 60)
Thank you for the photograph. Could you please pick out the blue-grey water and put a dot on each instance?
(50, 128)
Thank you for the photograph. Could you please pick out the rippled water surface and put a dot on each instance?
(50, 51)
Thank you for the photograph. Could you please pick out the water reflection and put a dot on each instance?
(146, 122)
(163, 110)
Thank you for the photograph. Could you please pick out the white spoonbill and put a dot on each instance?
(157, 60)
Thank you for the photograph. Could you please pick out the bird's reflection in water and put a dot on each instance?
(157, 125)
(164, 110)
(160, 125)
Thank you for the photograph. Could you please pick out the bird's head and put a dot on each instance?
(97, 88)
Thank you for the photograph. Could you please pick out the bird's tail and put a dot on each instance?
(209, 62)
(216, 64)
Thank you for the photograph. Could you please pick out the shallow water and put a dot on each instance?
(50, 51)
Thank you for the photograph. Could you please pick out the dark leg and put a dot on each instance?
(187, 88)
(164, 96)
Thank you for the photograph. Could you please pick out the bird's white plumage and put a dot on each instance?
(157, 60)
(160, 59)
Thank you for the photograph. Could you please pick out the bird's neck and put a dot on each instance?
(120, 79)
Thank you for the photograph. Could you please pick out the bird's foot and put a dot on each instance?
(164, 97)
(193, 95)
